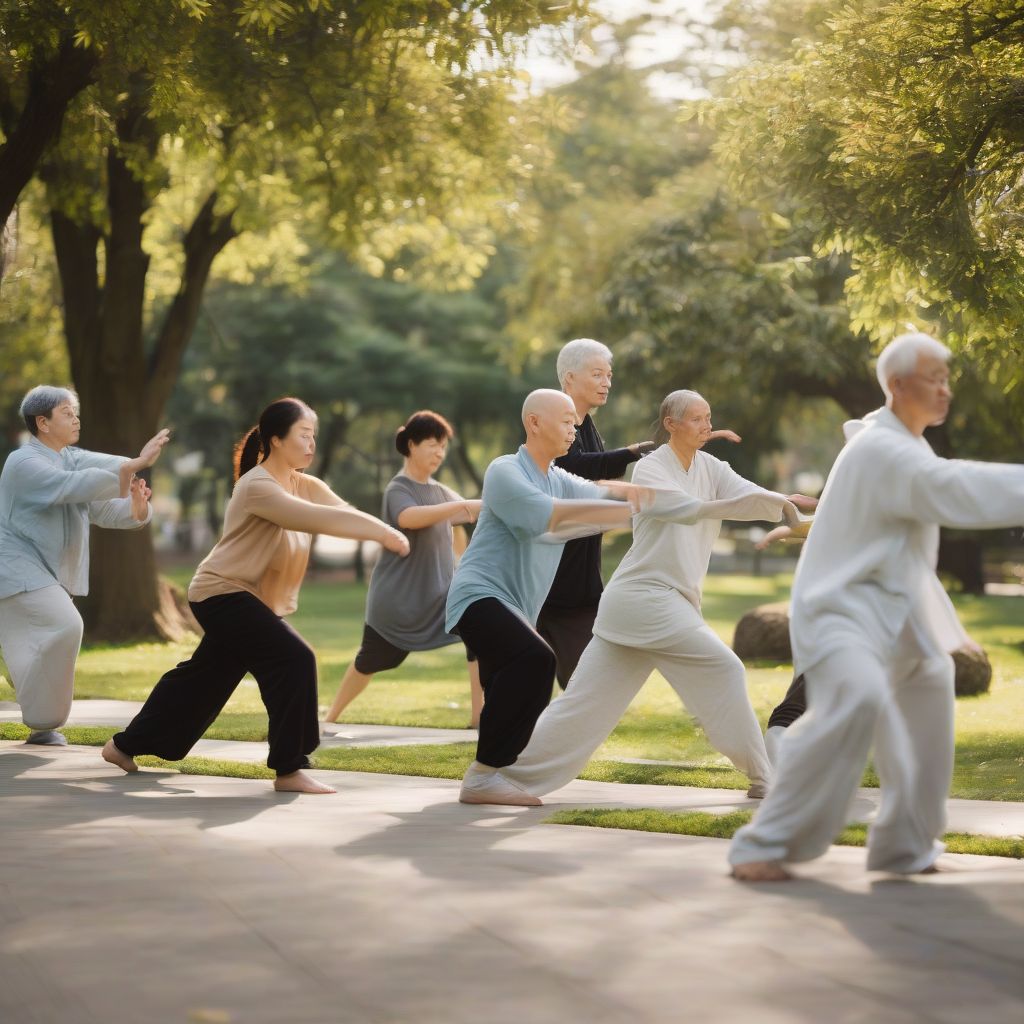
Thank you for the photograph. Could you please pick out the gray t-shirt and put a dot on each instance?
(406, 599)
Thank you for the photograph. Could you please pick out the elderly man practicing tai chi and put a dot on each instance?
(650, 618)
(871, 632)
(50, 493)
(529, 508)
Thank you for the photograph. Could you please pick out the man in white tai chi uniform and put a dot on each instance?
(649, 616)
(871, 632)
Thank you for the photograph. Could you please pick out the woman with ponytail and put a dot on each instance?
(406, 600)
(241, 593)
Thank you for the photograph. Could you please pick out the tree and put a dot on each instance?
(899, 131)
(365, 353)
(385, 124)
(727, 300)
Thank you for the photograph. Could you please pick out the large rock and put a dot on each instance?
(973, 672)
(763, 634)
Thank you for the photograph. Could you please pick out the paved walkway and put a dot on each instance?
(167, 898)
(987, 817)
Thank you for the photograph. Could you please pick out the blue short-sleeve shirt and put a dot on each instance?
(505, 559)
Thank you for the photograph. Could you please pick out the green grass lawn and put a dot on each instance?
(723, 826)
(432, 689)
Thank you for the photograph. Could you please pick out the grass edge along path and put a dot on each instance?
(432, 761)
(724, 826)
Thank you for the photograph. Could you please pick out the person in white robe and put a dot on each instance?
(50, 493)
(872, 629)
(649, 616)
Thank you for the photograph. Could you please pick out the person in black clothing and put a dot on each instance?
(567, 618)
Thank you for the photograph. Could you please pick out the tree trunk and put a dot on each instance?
(963, 558)
(466, 463)
(123, 389)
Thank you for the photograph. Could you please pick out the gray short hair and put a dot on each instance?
(577, 353)
(41, 401)
(899, 357)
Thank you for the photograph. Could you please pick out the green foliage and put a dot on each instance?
(365, 353)
(898, 131)
(726, 299)
(31, 341)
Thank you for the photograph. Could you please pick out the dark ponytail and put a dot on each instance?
(248, 452)
(420, 426)
(275, 421)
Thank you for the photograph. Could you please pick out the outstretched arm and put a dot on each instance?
(418, 517)
(268, 501)
(967, 495)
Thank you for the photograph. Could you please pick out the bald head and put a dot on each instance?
(549, 419)
(545, 403)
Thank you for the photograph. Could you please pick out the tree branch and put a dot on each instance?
(52, 85)
(207, 236)
(75, 248)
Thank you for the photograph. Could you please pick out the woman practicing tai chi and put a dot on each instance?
(406, 599)
(51, 492)
(649, 617)
(240, 593)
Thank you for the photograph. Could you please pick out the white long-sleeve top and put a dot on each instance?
(671, 549)
(47, 501)
(866, 575)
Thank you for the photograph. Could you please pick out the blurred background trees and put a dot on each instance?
(366, 205)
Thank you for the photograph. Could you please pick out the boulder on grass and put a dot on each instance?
(763, 634)
(973, 672)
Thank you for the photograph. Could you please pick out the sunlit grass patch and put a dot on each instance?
(724, 826)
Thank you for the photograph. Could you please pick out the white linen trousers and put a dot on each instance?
(40, 635)
(706, 675)
(855, 702)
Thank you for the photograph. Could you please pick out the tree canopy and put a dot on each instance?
(897, 128)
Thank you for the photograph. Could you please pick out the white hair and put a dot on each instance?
(674, 406)
(576, 354)
(41, 401)
(676, 403)
(899, 357)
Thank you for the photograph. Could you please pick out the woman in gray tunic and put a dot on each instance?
(406, 600)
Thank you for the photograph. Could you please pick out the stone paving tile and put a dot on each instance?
(152, 897)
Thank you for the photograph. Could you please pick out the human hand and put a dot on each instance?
(642, 448)
(779, 533)
(139, 493)
(803, 502)
(790, 512)
(472, 508)
(395, 541)
(152, 448)
(639, 497)
(728, 435)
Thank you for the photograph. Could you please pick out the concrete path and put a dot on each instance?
(166, 898)
(986, 817)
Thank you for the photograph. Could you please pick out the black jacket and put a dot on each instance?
(577, 583)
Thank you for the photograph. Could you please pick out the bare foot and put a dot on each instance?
(761, 871)
(117, 757)
(300, 782)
